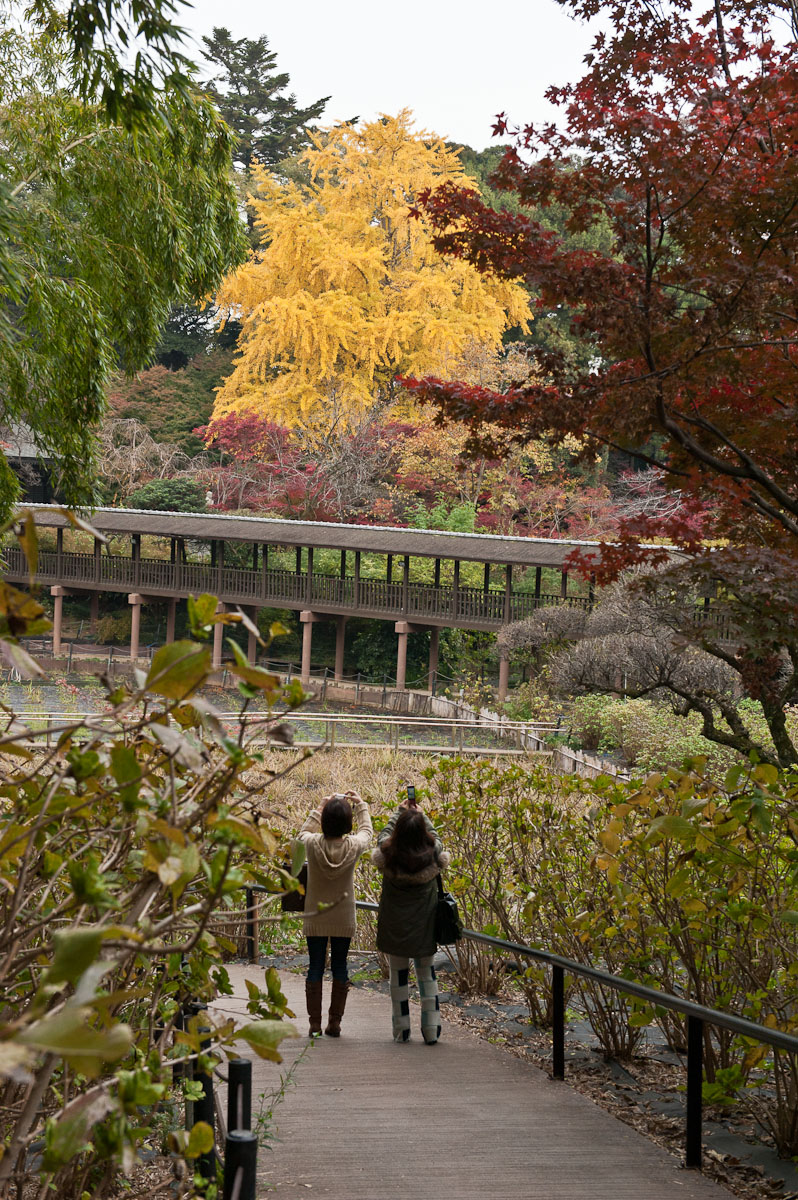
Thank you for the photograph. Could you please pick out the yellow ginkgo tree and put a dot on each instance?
(346, 290)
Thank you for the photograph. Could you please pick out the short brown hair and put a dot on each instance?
(336, 817)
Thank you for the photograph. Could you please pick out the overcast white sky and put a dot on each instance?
(456, 64)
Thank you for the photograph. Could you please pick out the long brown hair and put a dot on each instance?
(411, 847)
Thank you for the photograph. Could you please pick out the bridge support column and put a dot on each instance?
(307, 618)
(171, 613)
(57, 594)
(218, 635)
(434, 648)
(402, 629)
(504, 678)
(134, 599)
(340, 636)
(252, 641)
(94, 610)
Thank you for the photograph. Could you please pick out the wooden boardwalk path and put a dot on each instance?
(462, 1120)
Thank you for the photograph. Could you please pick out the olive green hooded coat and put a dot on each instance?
(406, 917)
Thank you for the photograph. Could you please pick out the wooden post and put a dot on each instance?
(343, 565)
(254, 556)
(181, 558)
(508, 593)
(299, 560)
(136, 560)
(437, 572)
(405, 583)
(59, 551)
(563, 584)
(98, 549)
(486, 587)
(389, 569)
(309, 580)
(357, 579)
(456, 588)
(220, 571)
(538, 577)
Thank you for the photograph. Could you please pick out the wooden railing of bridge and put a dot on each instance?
(466, 607)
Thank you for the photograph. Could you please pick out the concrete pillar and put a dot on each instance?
(218, 635)
(134, 599)
(94, 610)
(402, 629)
(434, 645)
(504, 678)
(307, 618)
(252, 640)
(58, 614)
(340, 636)
(171, 613)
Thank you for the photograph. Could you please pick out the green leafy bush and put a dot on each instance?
(683, 883)
(168, 495)
(123, 843)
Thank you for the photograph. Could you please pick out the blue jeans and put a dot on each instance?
(317, 950)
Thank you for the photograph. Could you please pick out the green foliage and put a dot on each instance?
(102, 230)
(250, 95)
(173, 403)
(651, 737)
(168, 495)
(122, 843)
(683, 883)
(445, 514)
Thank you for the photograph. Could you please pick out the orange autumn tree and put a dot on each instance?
(346, 290)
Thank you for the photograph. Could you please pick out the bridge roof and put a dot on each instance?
(381, 539)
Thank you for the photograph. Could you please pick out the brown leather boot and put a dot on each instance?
(313, 1000)
(337, 1006)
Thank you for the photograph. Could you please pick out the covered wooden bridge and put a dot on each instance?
(204, 547)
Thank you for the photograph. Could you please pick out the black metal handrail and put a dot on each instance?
(697, 1014)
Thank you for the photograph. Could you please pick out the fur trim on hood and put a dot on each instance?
(439, 863)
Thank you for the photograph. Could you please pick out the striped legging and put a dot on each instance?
(400, 998)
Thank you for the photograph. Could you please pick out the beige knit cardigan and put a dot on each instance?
(331, 873)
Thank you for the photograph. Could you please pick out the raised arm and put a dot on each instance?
(363, 827)
(312, 825)
(388, 829)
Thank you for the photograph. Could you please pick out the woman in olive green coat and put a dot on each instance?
(410, 856)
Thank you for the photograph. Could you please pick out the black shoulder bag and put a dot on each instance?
(448, 926)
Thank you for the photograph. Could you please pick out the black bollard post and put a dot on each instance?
(239, 1094)
(240, 1165)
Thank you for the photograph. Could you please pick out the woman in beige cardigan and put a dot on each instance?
(332, 853)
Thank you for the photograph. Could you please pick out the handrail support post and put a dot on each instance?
(558, 1022)
(695, 1079)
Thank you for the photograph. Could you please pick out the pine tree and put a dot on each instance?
(250, 95)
